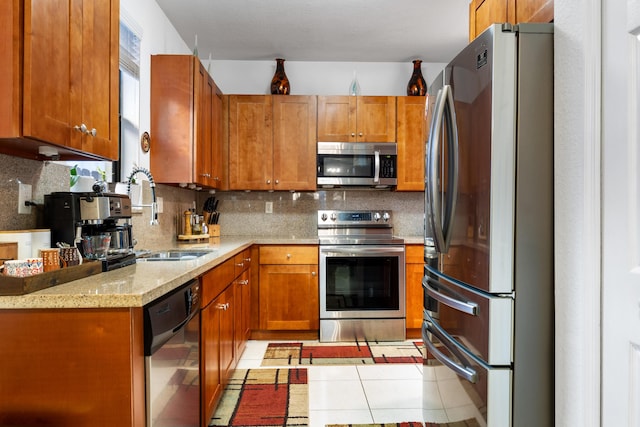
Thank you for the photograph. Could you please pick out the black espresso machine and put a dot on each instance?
(72, 216)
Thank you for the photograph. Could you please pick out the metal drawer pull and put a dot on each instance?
(463, 306)
(465, 372)
(224, 306)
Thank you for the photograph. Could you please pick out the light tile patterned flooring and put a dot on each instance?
(378, 393)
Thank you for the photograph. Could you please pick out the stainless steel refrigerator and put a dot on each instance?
(488, 284)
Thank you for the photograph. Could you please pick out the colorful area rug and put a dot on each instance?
(466, 423)
(264, 397)
(365, 353)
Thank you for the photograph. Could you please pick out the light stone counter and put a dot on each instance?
(131, 286)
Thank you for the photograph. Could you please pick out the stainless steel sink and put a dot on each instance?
(173, 255)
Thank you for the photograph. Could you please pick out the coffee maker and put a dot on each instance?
(72, 216)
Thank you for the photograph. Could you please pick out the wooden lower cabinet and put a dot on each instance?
(72, 367)
(225, 329)
(289, 296)
(414, 256)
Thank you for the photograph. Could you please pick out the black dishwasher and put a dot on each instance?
(172, 358)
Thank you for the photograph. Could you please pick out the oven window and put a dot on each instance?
(360, 166)
(362, 283)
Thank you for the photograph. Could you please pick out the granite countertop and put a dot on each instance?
(143, 282)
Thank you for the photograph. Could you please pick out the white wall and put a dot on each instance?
(577, 207)
(318, 78)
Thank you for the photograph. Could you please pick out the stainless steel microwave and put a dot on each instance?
(360, 164)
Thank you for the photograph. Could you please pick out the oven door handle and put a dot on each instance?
(351, 250)
(463, 370)
(468, 307)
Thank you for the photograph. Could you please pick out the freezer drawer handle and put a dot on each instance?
(466, 372)
(463, 306)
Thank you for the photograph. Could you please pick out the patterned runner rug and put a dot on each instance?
(342, 353)
(264, 397)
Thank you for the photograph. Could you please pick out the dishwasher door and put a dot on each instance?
(172, 358)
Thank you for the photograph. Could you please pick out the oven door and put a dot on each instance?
(362, 281)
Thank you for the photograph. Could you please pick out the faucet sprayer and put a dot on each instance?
(152, 185)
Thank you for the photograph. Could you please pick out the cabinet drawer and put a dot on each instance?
(216, 280)
(289, 254)
(414, 254)
(242, 262)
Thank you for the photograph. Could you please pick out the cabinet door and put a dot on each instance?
(294, 142)
(242, 312)
(376, 119)
(226, 304)
(210, 358)
(414, 293)
(203, 100)
(172, 118)
(47, 76)
(411, 133)
(99, 106)
(337, 118)
(289, 297)
(217, 140)
(250, 142)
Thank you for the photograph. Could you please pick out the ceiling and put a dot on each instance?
(322, 30)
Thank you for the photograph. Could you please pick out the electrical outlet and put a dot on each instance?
(268, 207)
(160, 203)
(24, 195)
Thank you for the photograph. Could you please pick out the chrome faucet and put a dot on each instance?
(152, 184)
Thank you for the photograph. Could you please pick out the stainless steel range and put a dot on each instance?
(362, 277)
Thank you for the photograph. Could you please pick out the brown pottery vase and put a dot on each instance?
(417, 86)
(280, 81)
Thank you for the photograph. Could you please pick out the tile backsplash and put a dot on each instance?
(241, 213)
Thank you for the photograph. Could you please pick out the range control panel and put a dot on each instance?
(355, 217)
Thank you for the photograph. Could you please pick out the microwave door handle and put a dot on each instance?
(465, 371)
(467, 307)
(376, 166)
(432, 195)
(453, 169)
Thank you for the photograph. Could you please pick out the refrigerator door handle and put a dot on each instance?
(453, 170)
(434, 218)
(465, 371)
(444, 116)
(467, 307)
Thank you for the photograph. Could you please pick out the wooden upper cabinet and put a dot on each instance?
(186, 122)
(357, 118)
(250, 142)
(294, 142)
(272, 142)
(412, 134)
(61, 77)
(483, 13)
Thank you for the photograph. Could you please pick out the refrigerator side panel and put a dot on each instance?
(534, 280)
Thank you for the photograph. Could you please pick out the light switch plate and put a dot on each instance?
(24, 195)
(160, 203)
(268, 207)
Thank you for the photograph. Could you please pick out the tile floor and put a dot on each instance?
(376, 393)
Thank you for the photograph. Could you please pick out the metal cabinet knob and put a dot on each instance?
(353, 134)
(277, 181)
(223, 306)
(243, 282)
(268, 181)
(360, 134)
(313, 273)
(240, 264)
(288, 256)
(248, 259)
